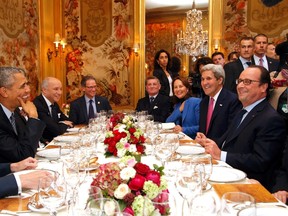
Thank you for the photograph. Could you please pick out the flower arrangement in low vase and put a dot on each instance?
(123, 137)
(133, 185)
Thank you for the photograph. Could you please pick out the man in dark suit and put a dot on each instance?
(48, 109)
(233, 69)
(218, 107)
(255, 141)
(18, 140)
(12, 184)
(155, 103)
(259, 57)
(87, 106)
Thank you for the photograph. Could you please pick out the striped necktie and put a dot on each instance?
(13, 123)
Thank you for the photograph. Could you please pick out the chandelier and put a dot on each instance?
(194, 41)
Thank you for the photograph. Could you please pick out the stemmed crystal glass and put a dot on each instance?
(103, 207)
(52, 195)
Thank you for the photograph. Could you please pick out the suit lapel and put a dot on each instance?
(83, 104)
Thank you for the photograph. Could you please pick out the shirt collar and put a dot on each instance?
(6, 111)
(216, 96)
(251, 106)
(47, 101)
(88, 99)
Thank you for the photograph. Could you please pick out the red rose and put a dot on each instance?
(132, 130)
(142, 139)
(141, 168)
(123, 135)
(137, 183)
(129, 210)
(140, 148)
(153, 176)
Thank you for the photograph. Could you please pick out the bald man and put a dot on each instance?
(48, 109)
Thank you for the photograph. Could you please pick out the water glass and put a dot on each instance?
(103, 207)
(204, 204)
(165, 204)
(234, 202)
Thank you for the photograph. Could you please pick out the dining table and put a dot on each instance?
(223, 179)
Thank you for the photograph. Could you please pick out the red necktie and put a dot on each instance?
(261, 62)
(209, 113)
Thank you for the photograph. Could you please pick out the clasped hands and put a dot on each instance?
(210, 146)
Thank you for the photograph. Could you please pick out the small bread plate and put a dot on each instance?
(226, 174)
(53, 153)
(168, 126)
(93, 165)
(190, 150)
(264, 211)
(42, 210)
(66, 138)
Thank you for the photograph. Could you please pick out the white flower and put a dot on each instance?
(127, 173)
(121, 191)
(109, 134)
(123, 140)
(109, 207)
(132, 148)
(121, 152)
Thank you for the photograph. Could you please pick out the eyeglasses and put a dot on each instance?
(245, 81)
(91, 87)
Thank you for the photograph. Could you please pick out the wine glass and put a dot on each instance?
(164, 204)
(204, 204)
(163, 151)
(51, 194)
(203, 163)
(103, 207)
(234, 202)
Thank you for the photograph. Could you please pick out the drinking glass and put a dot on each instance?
(163, 151)
(204, 204)
(165, 204)
(233, 202)
(51, 194)
(203, 163)
(103, 207)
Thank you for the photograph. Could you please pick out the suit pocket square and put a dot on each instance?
(155, 107)
(59, 115)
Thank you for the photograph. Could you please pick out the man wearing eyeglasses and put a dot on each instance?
(255, 141)
(233, 69)
(87, 106)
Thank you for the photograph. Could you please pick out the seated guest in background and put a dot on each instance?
(256, 139)
(195, 76)
(87, 106)
(155, 103)
(218, 58)
(48, 109)
(259, 57)
(175, 66)
(12, 184)
(218, 107)
(270, 52)
(186, 109)
(233, 69)
(18, 139)
(233, 56)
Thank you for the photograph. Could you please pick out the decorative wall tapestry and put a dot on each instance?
(19, 38)
(99, 46)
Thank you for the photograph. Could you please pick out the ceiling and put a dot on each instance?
(153, 6)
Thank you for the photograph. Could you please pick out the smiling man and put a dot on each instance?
(155, 103)
(87, 106)
(18, 140)
(255, 141)
(48, 109)
(218, 107)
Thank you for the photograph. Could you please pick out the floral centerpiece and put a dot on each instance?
(123, 137)
(133, 185)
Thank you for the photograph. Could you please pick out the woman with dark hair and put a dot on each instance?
(161, 64)
(186, 109)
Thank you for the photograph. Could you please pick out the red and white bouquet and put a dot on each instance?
(133, 185)
(123, 137)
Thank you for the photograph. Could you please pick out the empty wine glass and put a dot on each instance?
(51, 194)
(204, 204)
(164, 204)
(234, 202)
(103, 207)
(163, 151)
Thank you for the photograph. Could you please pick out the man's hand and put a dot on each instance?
(212, 148)
(28, 163)
(29, 108)
(281, 195)
(31, 180)
(69, 123)
(200, 138)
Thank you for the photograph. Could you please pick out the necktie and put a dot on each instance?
(151, 99)
(248, 63)
(13, 123)
(54, 112)
(239, 117)
(91, 110)
(261, 62)
(209, 113)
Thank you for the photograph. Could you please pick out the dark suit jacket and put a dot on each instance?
(8, 185)
(78, 110)
(53, 128)
(272, 63)
(160, 107)
(232, 72)
(256, 148)
(160, 74)
(15, 147)
(224, 111)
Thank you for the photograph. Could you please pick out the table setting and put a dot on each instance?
(120, 166)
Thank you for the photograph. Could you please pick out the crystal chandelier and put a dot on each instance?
(194, 41)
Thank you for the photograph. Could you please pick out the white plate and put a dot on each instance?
(52, 153)
(265, 211)
(66, 138)
(190, 150)
(167, 126)
(42, 210)
(226, 174)
(73, 129)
